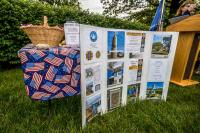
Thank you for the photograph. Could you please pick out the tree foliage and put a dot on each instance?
(139, 10)
(16, 12)
(61, 2)
(116, 7)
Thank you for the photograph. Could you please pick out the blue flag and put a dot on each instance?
(157, 17)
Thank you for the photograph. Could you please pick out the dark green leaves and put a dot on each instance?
(13, 13)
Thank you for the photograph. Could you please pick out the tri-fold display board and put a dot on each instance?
(120, 66)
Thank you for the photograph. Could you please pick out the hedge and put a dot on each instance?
(13, 13)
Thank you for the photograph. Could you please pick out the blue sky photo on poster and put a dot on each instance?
(161, 45)
(133, 91)
(157, 85)
(115, 41)
(154, 90)
(93, 106)
(115, 73)
(157, 38)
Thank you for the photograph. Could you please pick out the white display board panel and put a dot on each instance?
(157, 69)
(120, 66)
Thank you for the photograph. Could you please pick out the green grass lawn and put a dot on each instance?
(18, 113)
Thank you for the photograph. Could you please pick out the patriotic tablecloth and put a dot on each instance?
(51, 73)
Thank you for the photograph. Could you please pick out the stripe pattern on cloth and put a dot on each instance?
(52, 73)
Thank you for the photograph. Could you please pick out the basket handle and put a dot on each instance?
(46, 21)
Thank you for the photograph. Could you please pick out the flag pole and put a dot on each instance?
(162, 16)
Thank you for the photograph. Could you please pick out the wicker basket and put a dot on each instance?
(44, 34)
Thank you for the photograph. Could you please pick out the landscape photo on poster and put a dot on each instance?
(154, 90)
(133, 92)
(115, 72)
(93, 106)
(93, 78)
(114, 97)
(115, 44)
(161, 46)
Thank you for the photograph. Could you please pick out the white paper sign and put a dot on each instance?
(72, 34)
(133, 42)
(157, 69)
(92, 45)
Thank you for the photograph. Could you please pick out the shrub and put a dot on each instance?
(13, 13)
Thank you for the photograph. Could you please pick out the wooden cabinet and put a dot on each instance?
(187, 50)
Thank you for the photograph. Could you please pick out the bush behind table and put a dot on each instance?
(14, 13)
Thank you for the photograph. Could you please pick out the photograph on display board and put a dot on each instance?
(139, 73)
(140, 63)
(161, 46)
(154, 90)
(116, 43)
(133, 91)
(143, 42)
(115, 73)
(93, 107)
(114, 98)
(93, 78)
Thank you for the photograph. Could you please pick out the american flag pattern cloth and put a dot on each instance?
(51, 73)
